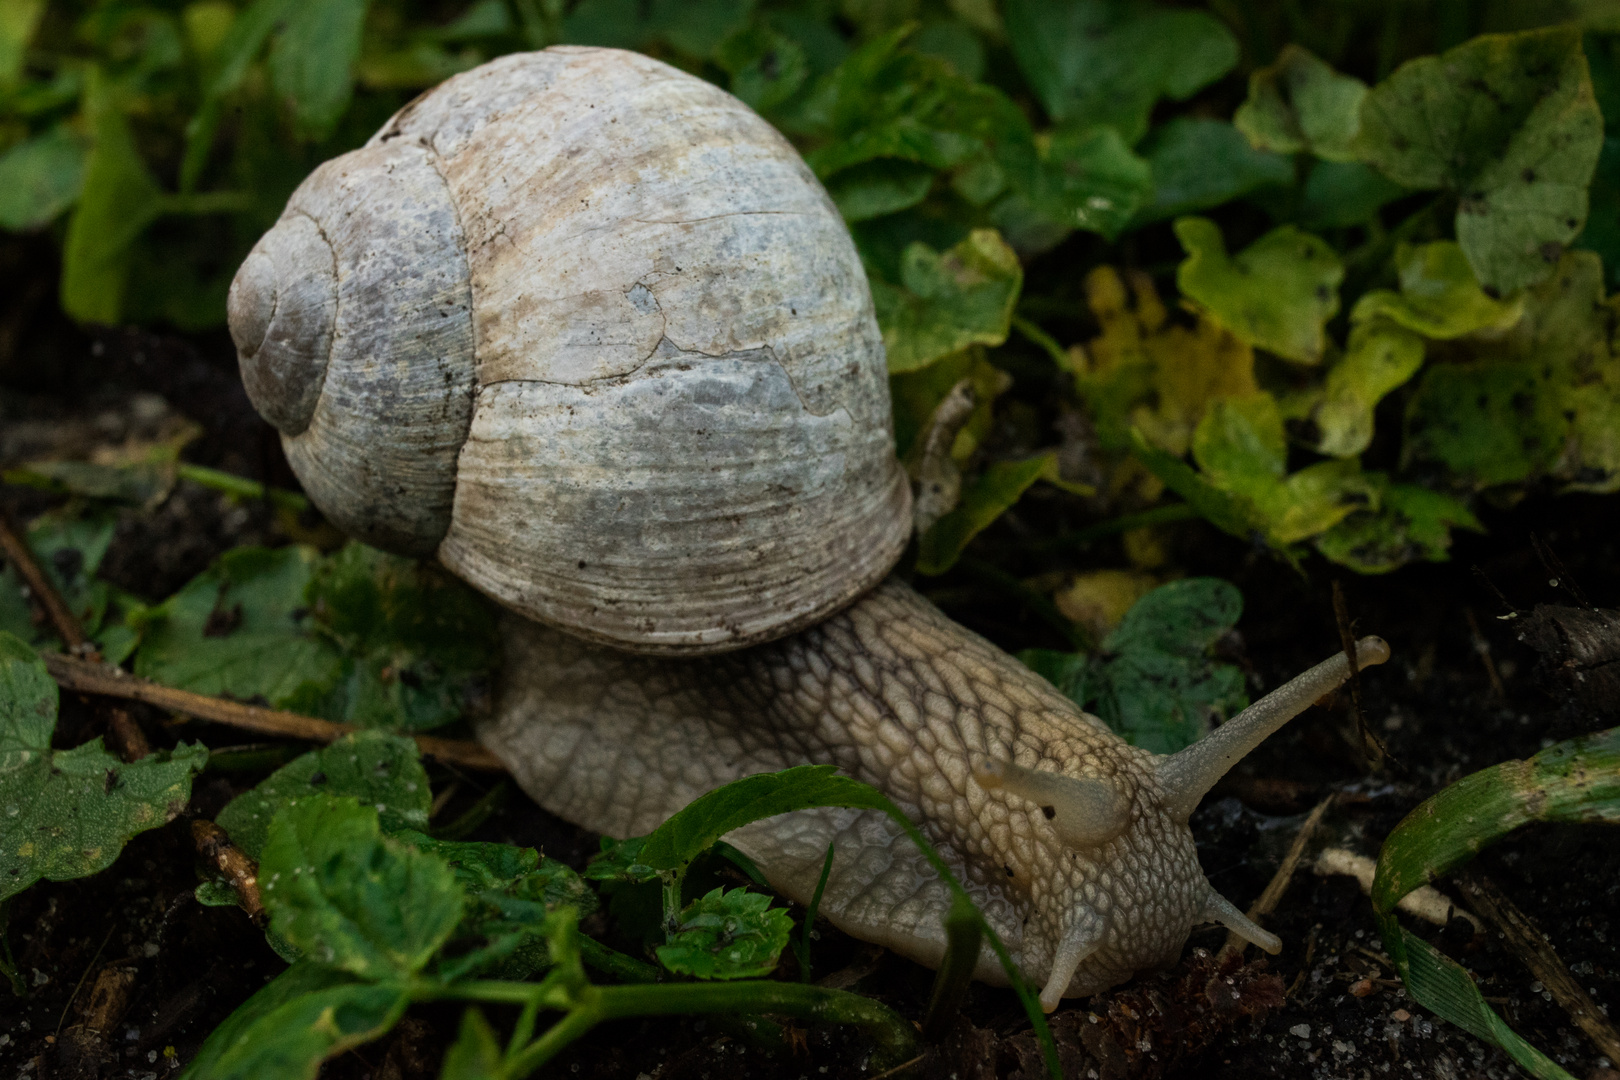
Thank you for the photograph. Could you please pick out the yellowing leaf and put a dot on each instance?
(1276, 294)
(1141, 355)
(1098, 600)
(1439, 296)
(946, 302)
(1380, 357)
(1300, 103)
(1509, 123)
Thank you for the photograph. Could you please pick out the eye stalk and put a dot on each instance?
(1083, 811)
(282, 309)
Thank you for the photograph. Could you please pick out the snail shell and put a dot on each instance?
(589, 330)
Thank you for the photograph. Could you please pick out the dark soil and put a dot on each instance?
(127, 973)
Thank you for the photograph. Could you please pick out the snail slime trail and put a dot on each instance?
(588, 331)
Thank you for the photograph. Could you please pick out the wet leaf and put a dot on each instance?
(1380, 356)
(312, 62)
(1508, 122)
(351, 898)
(420, 643)
(766, 67)
(242, 629)
(305, 1015)
(1439, 296)
(382, 771)
(1094, 62)
(117, 201)
(67, 814)
(1198, 163)
(874, 188)
(1300, 104)
(1086, 179)
(69, 544)
(1152, 679)
(39, 178)
(360, 636)
(1410, 523)
(1276, 294)
(733, 934)
(1337, 194)
(946, 302)
(989, 496)
(1542, 398)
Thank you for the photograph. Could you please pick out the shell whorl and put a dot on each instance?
(603, 345)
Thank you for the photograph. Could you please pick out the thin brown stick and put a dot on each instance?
(1483, 649)
(214, 845)
(124, 735)
(1371, 746)
(87, 677)
(1528, 943)
(1279, 881)
(56, 609)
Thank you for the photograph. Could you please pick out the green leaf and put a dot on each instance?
(69, 545)
(1226, 511)
(67, 814)
(946, 302)
(475, 1055)
(728, 935)
(1276, 294)
(1574, 781)
(360, 637)
(1081, 179)
(694, 829)
(1341, 193)
(382, 771)
(992, 494)
(117, 201)
(1095, 62)
(350, 898)
(226, 68)
(766, 67)
(40, 178)
(1508, 123)
(421, 642)
(305, 1015)
(1199, 163)
(312, 62)
(18, 21)
(1410, 523)
(1488, 422)
(1156, 685)
(1380, 356)
(1439, 296)
(874, 188)
(241, 629)
(1301, 104)
(620, 860)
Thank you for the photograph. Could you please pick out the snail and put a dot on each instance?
(588, 331)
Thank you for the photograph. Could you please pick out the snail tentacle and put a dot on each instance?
(1084, 811)
(1188, 774)
(1221, 910)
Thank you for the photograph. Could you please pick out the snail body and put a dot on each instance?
(587, 330)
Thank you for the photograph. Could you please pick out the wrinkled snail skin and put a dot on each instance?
(588, 331)
(972, 745)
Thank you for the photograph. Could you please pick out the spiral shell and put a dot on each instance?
(589, 330)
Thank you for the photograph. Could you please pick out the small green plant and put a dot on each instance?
(1574, 781)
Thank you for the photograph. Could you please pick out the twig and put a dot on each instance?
(1279, 881)
(1371, 745)
(1483, 649)
(86, 677)
(214, 845)
(56, 609)
(127, 739)
(1530, 945)
(1425, 901)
